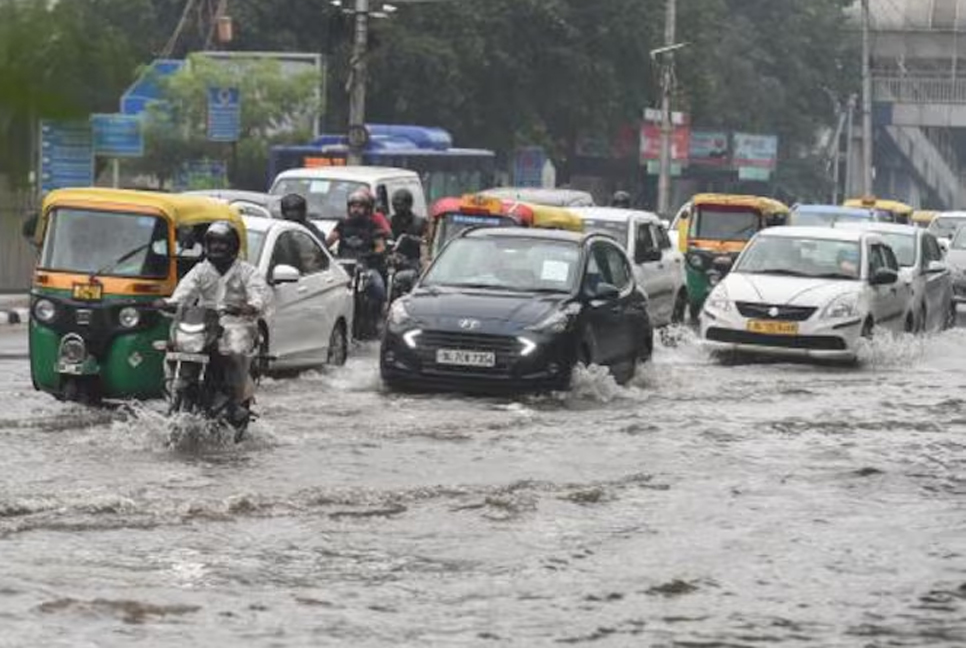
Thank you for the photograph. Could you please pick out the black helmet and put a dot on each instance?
(621, 199)
(222, 243)
(293, 207)
(362, 197)
(402, 200)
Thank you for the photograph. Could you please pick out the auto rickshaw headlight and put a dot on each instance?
(696, 261)
(44, 310)
(129, 317)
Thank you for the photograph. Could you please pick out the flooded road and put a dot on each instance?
(703, 506)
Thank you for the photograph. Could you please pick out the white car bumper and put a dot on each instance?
(827, 339)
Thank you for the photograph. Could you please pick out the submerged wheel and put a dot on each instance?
(867, 329)
(949, 320)
(694, 311)
(680, 308)
(910, 326)
(338, 345)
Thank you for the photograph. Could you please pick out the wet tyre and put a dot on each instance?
(680, 308)
(868, 329)
(338, 345)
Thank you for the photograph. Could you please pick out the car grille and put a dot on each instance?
(506, 349)
(782, 312)
(809, 342)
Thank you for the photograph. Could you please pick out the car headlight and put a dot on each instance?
(718, 300)
(44, 310)
(398, 314)
(842, 306)
(557, 321)
(129, 317)
(189, 342)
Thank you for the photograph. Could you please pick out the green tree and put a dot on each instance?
(275, 108)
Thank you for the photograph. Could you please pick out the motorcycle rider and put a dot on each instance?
(226, 283)
(405, 223)
(295, 209)
(621, 199)
(361, 236)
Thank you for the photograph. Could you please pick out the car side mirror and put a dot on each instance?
(605, 292)
(646, 255)
(935, 267)
(884, 277)
(774, 220)
(285, 274)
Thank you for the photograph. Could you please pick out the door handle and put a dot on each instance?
(301, 289)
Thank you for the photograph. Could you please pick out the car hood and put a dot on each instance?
(796, 291)
(445, 308)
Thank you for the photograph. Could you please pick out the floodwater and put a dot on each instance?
(702, 506)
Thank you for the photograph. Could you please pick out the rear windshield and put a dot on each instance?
(327, 199)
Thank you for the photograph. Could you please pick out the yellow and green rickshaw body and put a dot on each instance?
(105, 255)
(895, 211)
(713, 230)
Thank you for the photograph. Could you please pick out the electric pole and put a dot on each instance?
(357, 84)
(866, 104)
(667, 128)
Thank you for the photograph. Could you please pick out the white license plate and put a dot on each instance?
(172, 356)
(72, 369)
(466, 358)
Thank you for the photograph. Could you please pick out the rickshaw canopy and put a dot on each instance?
(923, 216)
(525, 214)
(761, 204)
(871, 202)
(178, 209)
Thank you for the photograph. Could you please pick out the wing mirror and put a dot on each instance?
(604, 292)
(285, 274)
(884, 277)
(646, 255)
(935, 267)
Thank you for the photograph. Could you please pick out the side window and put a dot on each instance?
(645, 237)
(286, 252)
(890, 258)
(619, 270)
(932, 251)
(663, 240)
(597, 270)
(311, 257)
(876, 260)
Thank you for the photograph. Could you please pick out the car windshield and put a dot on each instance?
(802, 257)
(453, 224)
(506, 263)
(959, 240)
(325, 198)
(724, 224)
(106, 243)
(825, 218)
(904, 247)
(255, 242)
(614, 229)
(946, 226)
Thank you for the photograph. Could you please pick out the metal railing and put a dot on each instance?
(919, 89)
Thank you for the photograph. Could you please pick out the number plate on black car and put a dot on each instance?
(466, 358)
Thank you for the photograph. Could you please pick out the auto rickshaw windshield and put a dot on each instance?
(106, 243)
(725, 224)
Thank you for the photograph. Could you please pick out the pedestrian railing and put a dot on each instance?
(919, 89)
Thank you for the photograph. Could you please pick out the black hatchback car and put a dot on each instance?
(516, 308)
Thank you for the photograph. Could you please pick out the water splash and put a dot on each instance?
(887, 349)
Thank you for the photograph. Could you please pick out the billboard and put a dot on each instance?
(709, 148)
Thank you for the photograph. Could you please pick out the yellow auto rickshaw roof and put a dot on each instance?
(924, 215)
(879, 203)
(759, 203)
(549, 217)
(180, 209)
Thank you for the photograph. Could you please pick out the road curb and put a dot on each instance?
(14, 316)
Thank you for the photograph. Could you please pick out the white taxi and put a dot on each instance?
(807, 291)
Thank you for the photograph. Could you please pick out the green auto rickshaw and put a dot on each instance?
(104, 255)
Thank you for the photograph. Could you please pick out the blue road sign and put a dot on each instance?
(528, 166)
(147, 88)
(117, 136)
(224, 114)
(66, 155)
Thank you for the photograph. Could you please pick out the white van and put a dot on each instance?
(326, 189)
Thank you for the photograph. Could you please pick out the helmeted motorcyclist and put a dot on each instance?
(360, 236)
(621, 199)
(295, 209)
(405, 223)
(226, 283)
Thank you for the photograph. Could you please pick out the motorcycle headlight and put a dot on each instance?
(718, 300)
(398, 313)
(129, 317)
(189, 342)
(44, 310)
(842, 306)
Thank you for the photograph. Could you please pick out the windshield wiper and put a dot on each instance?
(780, 271)
(124, 257)
(483, 286)
(834, 275)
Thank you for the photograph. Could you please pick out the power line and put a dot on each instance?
(168, 49)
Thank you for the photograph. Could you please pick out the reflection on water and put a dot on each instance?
(702, 504)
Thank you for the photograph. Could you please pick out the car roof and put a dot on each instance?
(542, 196)
(834, 209)
(882, 228)
(526, 232)
(231, 195)
(951, 215)
(357, 173)
(614, 214)
(827, 233)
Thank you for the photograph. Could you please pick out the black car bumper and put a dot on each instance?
(548, 366)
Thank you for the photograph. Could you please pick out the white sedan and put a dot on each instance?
(313, 301)
(807, 291)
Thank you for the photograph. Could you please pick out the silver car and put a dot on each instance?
(956, 261)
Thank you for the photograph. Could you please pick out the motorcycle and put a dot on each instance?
(404, 266)
(367, 313)
(196, 381)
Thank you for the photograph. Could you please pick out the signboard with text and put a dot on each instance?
(117, 136)
(66, 155)
(224, 114)
(709, 148)
(760, 151)
(651, 143)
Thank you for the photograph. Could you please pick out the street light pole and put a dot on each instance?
(866, 104)
(667, 129)
(357, 80)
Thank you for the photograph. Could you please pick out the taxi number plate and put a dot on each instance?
(773, 328)
(88, 292)
(466, 358)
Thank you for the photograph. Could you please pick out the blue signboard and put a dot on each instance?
(528, 166)
(66, 155)
(147, 88)
(117, 136)
(224, 114)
